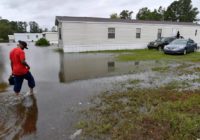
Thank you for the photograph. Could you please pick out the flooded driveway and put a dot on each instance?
(64, 85)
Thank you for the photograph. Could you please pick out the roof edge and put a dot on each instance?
(99, 19)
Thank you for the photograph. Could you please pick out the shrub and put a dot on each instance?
(42, 42)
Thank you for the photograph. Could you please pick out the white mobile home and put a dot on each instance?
(77, 34)
(11, 38)
(28, 37)
(52, 37)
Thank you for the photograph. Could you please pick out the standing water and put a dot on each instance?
(64, 85)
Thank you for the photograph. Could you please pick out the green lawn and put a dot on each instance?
(144, 114)
(167, 112)
(145, 54)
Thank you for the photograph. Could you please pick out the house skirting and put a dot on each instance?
(86, 48)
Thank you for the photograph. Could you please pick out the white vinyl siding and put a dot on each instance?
(95, 34)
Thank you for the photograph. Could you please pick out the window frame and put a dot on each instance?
(111, 33)
(138, 33)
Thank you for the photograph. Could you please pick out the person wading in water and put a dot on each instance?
(20, 69)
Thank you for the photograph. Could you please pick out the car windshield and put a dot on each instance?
(159, 39)
(164, 39)
(179, 41)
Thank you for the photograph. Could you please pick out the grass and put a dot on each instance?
(145, 54)
(110, 51)
(59, 50)
(161, 69)
(144, 114)
(3, 87)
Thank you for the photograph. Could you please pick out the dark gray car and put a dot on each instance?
(180, 46)
(160, 43)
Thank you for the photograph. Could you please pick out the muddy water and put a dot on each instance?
(64, 85)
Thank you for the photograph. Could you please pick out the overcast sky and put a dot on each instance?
(44, 11)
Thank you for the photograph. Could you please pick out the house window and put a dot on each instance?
(195, 32)
(159, 33)
(28, 37)
(138, 32)
(60, 36)
(111, 33)
(36, 36)
(44, 35)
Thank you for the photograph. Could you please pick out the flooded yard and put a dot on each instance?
(68, 85)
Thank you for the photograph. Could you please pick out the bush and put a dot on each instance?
(42, 42)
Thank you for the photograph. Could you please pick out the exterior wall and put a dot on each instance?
(28, 37)
(60, 31)
(91, 36)
(52, 37)
(11, 38)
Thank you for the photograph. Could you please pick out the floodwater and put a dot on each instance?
(65, 84)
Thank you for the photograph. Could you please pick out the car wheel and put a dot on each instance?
(160, 48)
(195, 49)
(184, 52)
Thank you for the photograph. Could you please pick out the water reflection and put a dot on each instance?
(84, 66)
(19, 120)
(1, 66)
(111, 66)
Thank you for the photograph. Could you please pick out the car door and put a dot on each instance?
(190, 45)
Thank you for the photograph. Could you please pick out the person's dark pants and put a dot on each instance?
(18, 80)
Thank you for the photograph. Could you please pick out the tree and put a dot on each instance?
(126, 14)
(21, 27)
(34, 27)
(143, 14)
(46, 30)
(5, 30)
(182, 11)
(114, 16)
(146, 14)
(54, 29)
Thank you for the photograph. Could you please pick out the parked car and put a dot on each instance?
(160, 43)
(180, 46)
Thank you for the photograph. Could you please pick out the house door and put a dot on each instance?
(174, 31)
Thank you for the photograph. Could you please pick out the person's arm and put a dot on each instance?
(23, 59)
(25, 64)
(11, 65)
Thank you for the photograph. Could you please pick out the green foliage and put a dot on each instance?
(8, 28)
(126, 14)
(182, 11)
(114, 16)
(34, 27)
(146, 14)
(42, 42)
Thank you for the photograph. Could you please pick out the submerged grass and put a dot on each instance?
(144, 114)
(161, 69)
(3, 86)
(59, 50)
